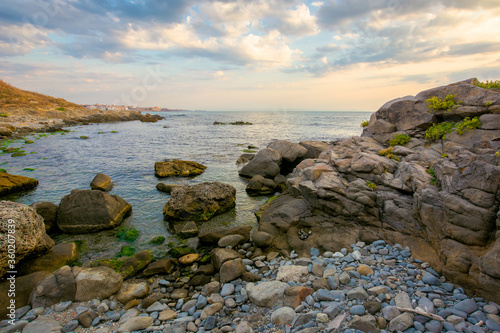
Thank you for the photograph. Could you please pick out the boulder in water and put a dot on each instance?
(13, 183)
(178, 168)
(101, 182)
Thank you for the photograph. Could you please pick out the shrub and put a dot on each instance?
(3, 170)
(60, 109)
(400, 140)
(365, 123)
(488, 84)
(487, 104)
(435, 103)
(431, 172)
(4, 115)
(468, 124)
(371, 185)
(439, 131)
(389, 153)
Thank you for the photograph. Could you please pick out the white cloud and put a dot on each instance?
(299, 22)
(317, 4)
(18, 40)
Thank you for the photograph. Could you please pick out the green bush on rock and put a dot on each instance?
(434, 103)
(439, 131)
(488, 84)
(468, 124)
(400, 140)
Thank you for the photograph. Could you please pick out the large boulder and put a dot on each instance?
(85, 211)
(178, 168)
(22, 234)
(98, 282)
(60, 255)
(266, 163)
(199, 202)
(13, 183)
(259, 185)
(56, 287)
(290, 152)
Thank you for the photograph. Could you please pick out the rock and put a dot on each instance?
(366, 323)
(199, 202)
(314, 148)
(184, 229)
(12, 183)
(290, 152)
(490, 121)
(178, 168)
(160, 266)
(85, 211)
(467, 305)
(98, 282)
(402, 300)
(48, 211)
(101, 182)
(220, 255)
(167, 315)
(167, 188)
(283, 316)
(148, 118)
(56, 287)
(401, 322)
(179, 294)
(245, 158)
(30, 236)
(211, 288)
(266, 163)
(390, 312)
(24, 287)
(243, 327)
(291, 273)
(259, 185)
(189, 259)
(364, 270)
(267, 293)
(212, 237)
(58, 256)
(136, 263)
(262, 238)
(377, 290)
(231, 270)
(136, 324)
(373, 307)
(43, 324)
(86, 318)
(231, 241)
(130, 291)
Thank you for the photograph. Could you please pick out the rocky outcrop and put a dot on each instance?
(439, 198)
(178, 168)
(85, 211)
(101, 182)
(167, 188)
(13, 183)
(199, 202)
(22, 234)
(149, 118)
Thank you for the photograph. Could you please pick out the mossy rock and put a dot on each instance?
(179, 251)
(18, 154)
(129, 235)
(136, 263)
(114, 264)
(29, 142)
(127, 251)
(157, 240)
(84, 137)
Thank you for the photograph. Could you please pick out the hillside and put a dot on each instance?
(12, 98)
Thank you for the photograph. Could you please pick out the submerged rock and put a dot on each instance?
(178, 168)
(199, 202)
(13, 183)
(85, 211)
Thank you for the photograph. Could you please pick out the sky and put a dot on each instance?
(273, 55)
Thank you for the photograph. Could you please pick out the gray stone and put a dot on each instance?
(401, 322)
(467, 305)
(267, 293)
(265, 163)
(136, 324)
(43, 324)
(357, 293)
(283, 316)
(70, 326)
(57, 287)
(390, 312)
(357, 310)
(98, 282)
(365, 323)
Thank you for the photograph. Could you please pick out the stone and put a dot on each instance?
(179, 294)
(467, 305)
(167, 314)
(160, 266)
(366, 323)
(43, 324)
(54, 288)
(97, 282)
(232, 269)
(357, 293)
(244, 327)
(189, 259)
(58, 256)
(295, 295)
(130, 291)
(85, 211)
(87, 317)
(167, 188)
(259, 185)
(291, 273)
(136, 263)
(212, 237)
(401, 322)
(490, 121)
(314, 148)
(290, 152)
(199, 202)
(211, 310)
(13, 183)
(373, 307)
(377, 290)
(101, 182)
(48, 211)
(136, 324)
(231, 241)
(267, 293)
(178, 168)
(262, 238)
(402, 300)
(227, 289)
(211, 288)
(364, 270)
(221, 255)
(357, 310)
(390, 312)
(283, 316)
(30, 236)
(266, 163)
(70, 326)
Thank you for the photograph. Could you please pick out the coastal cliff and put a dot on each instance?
(440, 195)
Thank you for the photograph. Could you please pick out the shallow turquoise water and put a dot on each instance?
(66, 162)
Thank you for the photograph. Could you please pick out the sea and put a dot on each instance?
(127, 151)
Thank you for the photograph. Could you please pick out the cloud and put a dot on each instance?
(19, 40)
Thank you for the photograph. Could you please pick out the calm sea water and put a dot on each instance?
(66, 162)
